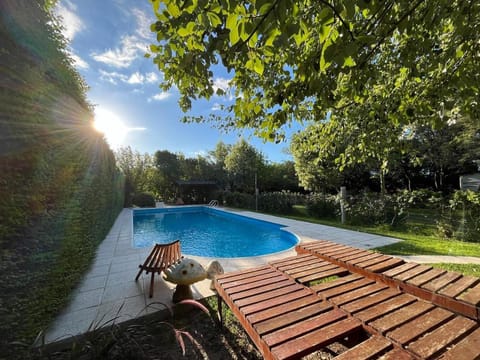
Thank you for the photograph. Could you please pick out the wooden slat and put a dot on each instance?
(426, 277)
(285, 308)
(344, 288)
(305, 327)
(249, 280)
(242, 273)
(467, 349)
(399, 269)
(367, 349)
(261, 289)
(442, 281)
(374, 261)
(240, 288)
(384, 307)
(471, 296)
(337, 253)
(292, 317)
(401, 316)
(304, 264)
(292, 259)
(337, 271)
(438, 340)
(417, 270)
(269, 295)
(317, 339)
(250, 309)
(357, 294)
(370, 300)
(396, 354)
(335, 283)
(298, 273)
(419, 326)
(356, 256)
(353, 253)
(459, 286)
(377, 268)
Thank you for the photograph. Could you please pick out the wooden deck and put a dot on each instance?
(334, 293)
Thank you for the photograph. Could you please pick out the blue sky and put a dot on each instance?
(108, 40)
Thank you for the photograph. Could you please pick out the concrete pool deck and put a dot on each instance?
(108, 292)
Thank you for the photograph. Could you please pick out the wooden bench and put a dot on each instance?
(447, 289)
(160, 258)
(295, 306)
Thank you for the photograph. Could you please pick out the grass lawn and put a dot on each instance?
(418, 237)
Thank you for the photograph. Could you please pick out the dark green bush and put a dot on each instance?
(143, 200)
(322, 206)
(279, 202)
(366, 209)
(239, 200)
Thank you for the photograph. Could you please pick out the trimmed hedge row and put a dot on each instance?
(60, 190)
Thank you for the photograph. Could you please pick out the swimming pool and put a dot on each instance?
(209, 232)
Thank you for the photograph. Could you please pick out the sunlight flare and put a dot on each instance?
(111, 126)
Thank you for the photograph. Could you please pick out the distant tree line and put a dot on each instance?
(422, 158)
(232, 167)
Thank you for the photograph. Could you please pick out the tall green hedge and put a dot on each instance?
(60, 190)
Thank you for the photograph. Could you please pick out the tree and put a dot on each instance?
(280, 176)
(218, 157)
(316, 153)
(169, 170)
(243, 163)
(138, 171)
(381, 63)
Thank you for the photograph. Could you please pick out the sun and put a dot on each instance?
(111, 126)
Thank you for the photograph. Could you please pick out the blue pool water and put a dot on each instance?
(204, 231)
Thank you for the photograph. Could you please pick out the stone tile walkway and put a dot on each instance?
(109, 293)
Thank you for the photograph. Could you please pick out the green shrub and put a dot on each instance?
(239, 200)
(322, 206)
(279, 202)
(143, 200)
(366, 209)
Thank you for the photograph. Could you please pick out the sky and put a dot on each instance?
(108, 40)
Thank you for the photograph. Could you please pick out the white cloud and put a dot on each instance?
(151, 77)
(216, 107)
(159, 97)
(72, 24)
(113, 77)
(78, 61)
(223, 84)
(137, 78)
(143, 24)
(131, 48)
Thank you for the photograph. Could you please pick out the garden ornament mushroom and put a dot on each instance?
(184, 273)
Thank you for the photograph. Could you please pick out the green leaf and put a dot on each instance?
(231, 23)
(233, 36)
(349, 62)
(214, 19)
(258, 66)
(173, 9)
